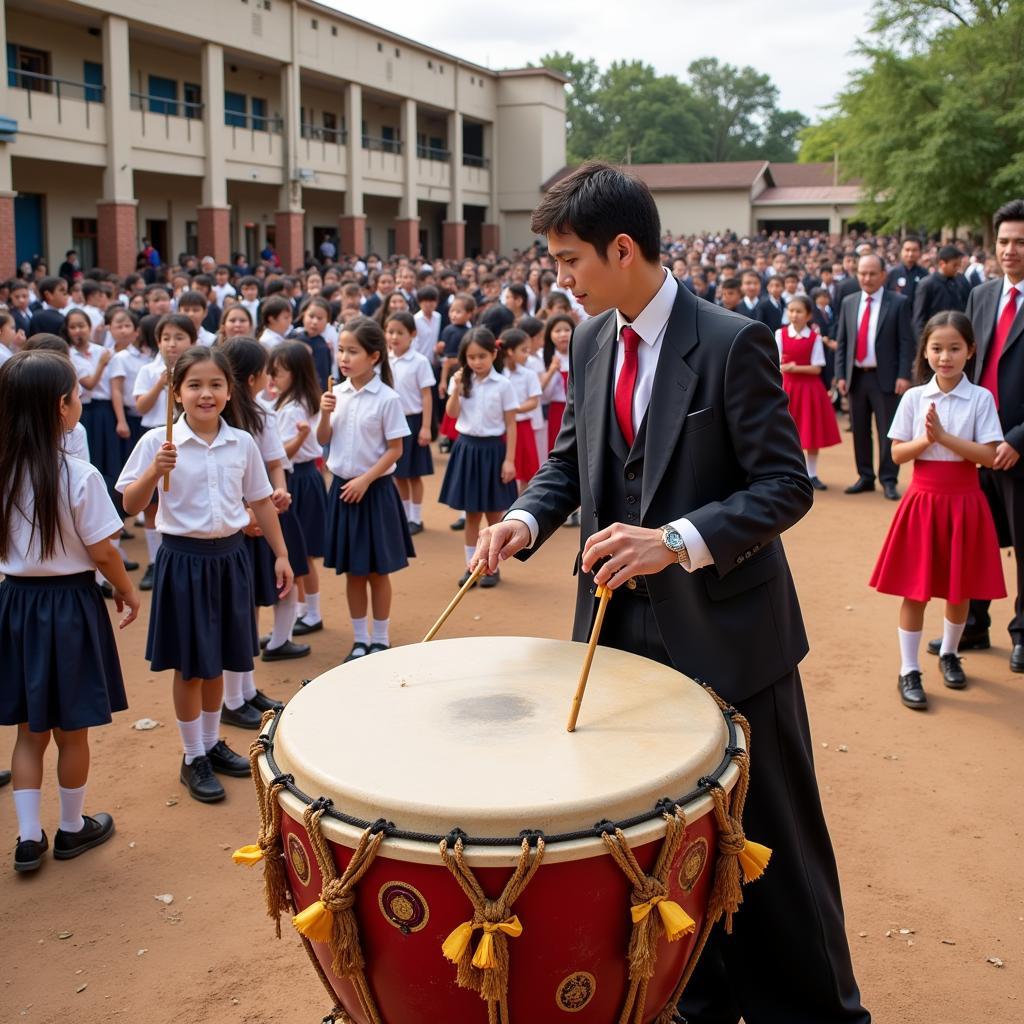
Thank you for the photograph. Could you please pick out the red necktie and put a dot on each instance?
(626, 384)
(990, 375)
(862, 331)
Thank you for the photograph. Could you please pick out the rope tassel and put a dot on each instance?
(676, 921)
(250, 856)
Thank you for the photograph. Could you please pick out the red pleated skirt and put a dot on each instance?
(555, 412)
(527, 462)
(942, 541)
(811, 410)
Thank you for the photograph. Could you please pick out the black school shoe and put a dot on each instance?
(818, 485)
(302, 627)
(261, 702)
(202, 783)
(130, 566)
(285, 652)
(487, 582)
(5, 778)
(146, 583)
(226, 762)
(245, 716)
(978, 642)
(96, 831)
(28, 854)
(459, 524)
(912, 692)
(359, 650)
(952, 671)
(415, 528)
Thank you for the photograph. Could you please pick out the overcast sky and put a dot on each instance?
(803, 44)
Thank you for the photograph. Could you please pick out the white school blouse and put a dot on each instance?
(149, 373)
(428, 332)
(269, 442)
(968, 411)
(526, 386)
(85, 364)
(412, 373)
(76, 442)
(86, 516)
(289, 416)
(362, 423)
(482, 414)
(817, 349)
(209, 484)
(126, 364)
(271, 339)
(536, 364)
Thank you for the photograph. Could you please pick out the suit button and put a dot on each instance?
(739, 561)
(631, 475)
(631, 515)
(630, 499)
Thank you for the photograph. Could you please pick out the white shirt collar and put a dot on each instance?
(805, 333)
(1008, 284)
(654, 316)
(372, 385)
(408, 354)
(864, 294)
(183, 432)
(962, 389)
(493, 375)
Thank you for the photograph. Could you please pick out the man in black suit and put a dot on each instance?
(944, 289)
(873, 366)
(770, 311)
(908, 273)
(49, 318)
(678, 448)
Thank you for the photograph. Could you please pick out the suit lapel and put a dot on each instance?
(988, 304)
(597, 403)
(885, 304)
(674, 387)
(1016, 328)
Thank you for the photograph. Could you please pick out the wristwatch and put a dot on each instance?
(673, 540)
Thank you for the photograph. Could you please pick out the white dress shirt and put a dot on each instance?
(289, 416)
(536, 364)
(482, 414)
(271, 339)
(126, 364)
(427, 334)
(268, 441)
(412, 373)
(526, 386)
(5, 353)
(147, 376)
(362, 423)
(85, 363)
(968, 411)
(817, 349)
(76, 443)
(209, 484)
(1004, 296)
(869, 361)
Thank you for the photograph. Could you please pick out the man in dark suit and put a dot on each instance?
(873, 366)
(678, 448)
(49, 317)
(770, 311)
(908, 273)
(848, 284)
(944, 289)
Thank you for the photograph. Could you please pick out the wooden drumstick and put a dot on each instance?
(604, 595)
(474, 576)
(170, 426)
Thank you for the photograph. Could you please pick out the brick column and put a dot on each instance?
(407, 236)
(351, 234)
(453, 239)
(490, 238)
(214, 227)
(289, 235)
(117, 236)
(8, 243)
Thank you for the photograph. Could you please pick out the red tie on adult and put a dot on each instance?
(990, 375)
(626, 384)
(862, 331)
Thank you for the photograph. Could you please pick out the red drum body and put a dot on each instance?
(469, 735)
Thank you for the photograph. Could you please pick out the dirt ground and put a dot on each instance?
(922, 810)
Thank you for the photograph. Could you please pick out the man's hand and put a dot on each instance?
(841, 386)
(629, 551)
(1006, 456)
(499, 542)
(902, 384)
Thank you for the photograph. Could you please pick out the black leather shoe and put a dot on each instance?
(261, 702)
(359, 650)
(125, 535)
(304, 628)
(377, 648)
(862, 486)
(912, 692)
(243, 717)
(226, 762)
(415, 528)
(818, 485)
(464, 579)
(130, 566)
(28, 854)
(286, 651)
(1017, 658)
(202, 783)
(96, 831)
(146, 583)
(487, 582)
(459, 524)
(264, 640)
(978, 642)
(889, 490)
(952, 672)
(5, 778)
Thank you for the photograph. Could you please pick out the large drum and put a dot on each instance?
(450, 853)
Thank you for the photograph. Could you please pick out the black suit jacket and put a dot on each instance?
(769, 315)
(46, 321)
(895, 347)
(982, 308)
(937, 293)
(848, 286)
(722, 450)
(22, 320)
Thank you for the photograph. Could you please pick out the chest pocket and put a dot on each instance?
(491, 413)
(230, 477)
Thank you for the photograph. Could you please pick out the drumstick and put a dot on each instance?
(602, 606)
(170, 427)
(474, 576)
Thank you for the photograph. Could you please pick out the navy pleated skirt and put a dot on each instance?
(201, 621)
(368, 536)
(60, 665)
(472, 482)
(106, 449)
(309, 505)
(263, 576)
(416, 459)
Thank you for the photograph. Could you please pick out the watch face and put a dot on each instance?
(673, 540)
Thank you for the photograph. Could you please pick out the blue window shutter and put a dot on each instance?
(92, 75)
(234, 109)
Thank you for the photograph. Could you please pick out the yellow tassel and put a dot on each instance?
(315, 922)
(247, 855)
(677, 921)
(484, 956)
(455, 946)
(754, 859)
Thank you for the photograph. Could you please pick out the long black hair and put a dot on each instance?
(961, 323)
(371, 338)
(247, 358)
(297, 358)
(32, 466)
(474, 336)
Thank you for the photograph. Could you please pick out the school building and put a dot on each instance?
(216, 126)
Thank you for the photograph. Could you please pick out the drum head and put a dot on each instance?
(470, 733)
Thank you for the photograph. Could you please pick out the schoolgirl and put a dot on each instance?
(75, 443)
(557, 335)
(414, 382)
(90, 362)
(802, 358)
(298, 416)
(275, 321)
(396, 302)
(942, 541)
(367, 533)
(515, 352)
(201, 619)
(129, 359)
(235, 323)
(316, 315)
(61, 672)
(12, 337)
(481, 472)
(534, 330)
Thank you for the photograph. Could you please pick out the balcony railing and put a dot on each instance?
(337, 136)
(433, 153)
(274, 125)
(382, 145)
(61, 88)
(161, 106)
(475, 160)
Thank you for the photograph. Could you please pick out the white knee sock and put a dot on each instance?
(407, 505)
(360, 631)
(415, 512)
(248, 685)
(312, 612)
(910, 647)
(470, 552)
(284, 619)
(152, 543)
(812, 463)
(951, 634)
(71, 803)
(233, 698)
(301, 608)
(210, 726)
(380, 631)
(192, 739)
(26, 806)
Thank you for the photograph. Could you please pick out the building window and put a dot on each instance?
(388, 138)
(193, 104)
(234, 109)
(92, 75)
(163, 95)
(334, 30)
(192, 237)
(83, 240)
(330, 127)
(259, 114)
(28, 68)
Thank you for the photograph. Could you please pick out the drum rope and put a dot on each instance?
(487, 970)
(653, 914)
